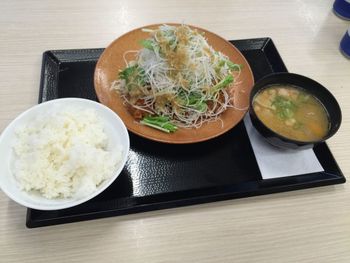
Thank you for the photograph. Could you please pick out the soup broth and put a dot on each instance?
(291, 112)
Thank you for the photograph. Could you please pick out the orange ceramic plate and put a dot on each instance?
(111, 62)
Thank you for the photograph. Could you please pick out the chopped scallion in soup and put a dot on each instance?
(291, 112)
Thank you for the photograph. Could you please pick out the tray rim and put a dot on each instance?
(266, 186)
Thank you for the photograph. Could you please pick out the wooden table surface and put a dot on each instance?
(302, 226)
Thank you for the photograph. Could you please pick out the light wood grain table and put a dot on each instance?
(302, 226)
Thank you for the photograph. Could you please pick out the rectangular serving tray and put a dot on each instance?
(159, 176)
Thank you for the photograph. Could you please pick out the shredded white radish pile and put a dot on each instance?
(178, 75)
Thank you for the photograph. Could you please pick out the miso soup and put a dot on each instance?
(291, 112)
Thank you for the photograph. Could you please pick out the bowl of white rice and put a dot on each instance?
(61, 153)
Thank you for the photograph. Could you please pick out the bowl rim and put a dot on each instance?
(255, 91)
(67, 202)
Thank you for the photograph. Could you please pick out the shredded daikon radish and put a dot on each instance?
(178, 75)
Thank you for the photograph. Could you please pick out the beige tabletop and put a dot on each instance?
(310, 225)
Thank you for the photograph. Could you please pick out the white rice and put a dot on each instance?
(64, 153)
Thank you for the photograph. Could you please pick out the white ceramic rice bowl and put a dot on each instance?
(113, 127)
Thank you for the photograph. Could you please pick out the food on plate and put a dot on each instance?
(176, 80)
(292, 112)
(64, 153)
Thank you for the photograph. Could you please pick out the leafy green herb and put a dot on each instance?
(149, 44)
(146, 43)
(193, 100)
(196, 102)
(202, 107)
(133, 74)
(285, 108)
(127, 73)
(161, 123)
(222, 84)
(233, 66)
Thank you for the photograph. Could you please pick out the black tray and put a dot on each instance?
(159, 176)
